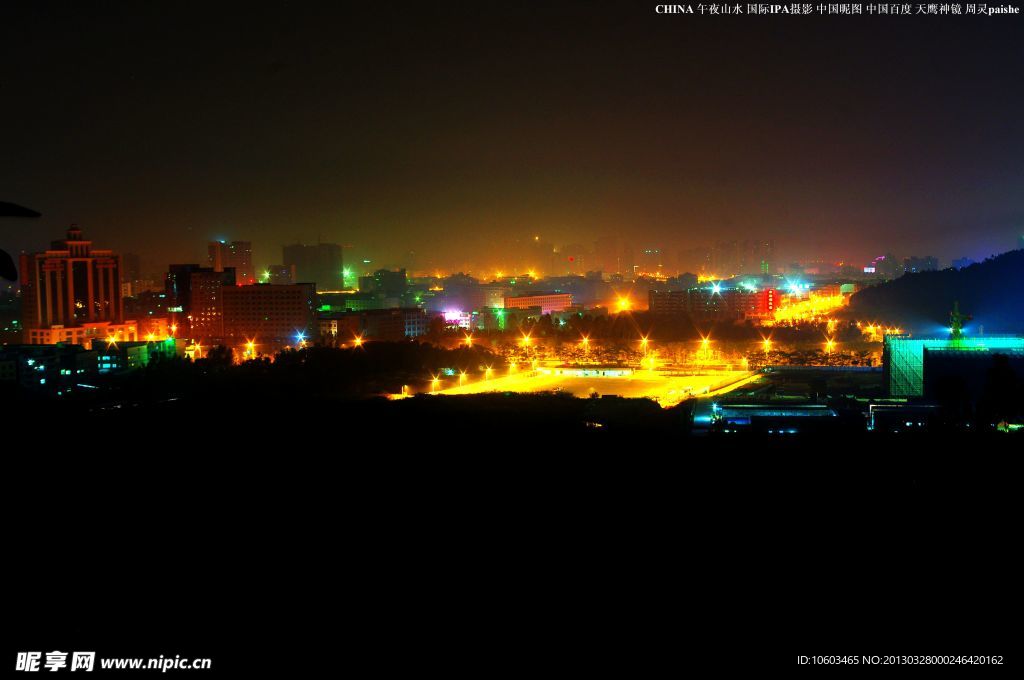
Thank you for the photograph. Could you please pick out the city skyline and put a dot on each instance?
(575, 121)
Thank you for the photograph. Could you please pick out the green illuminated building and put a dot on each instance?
(903, 357)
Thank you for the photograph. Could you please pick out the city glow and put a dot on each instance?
(812, 309)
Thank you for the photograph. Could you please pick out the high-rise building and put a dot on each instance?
(204, 313)
(757, 257)
(321, 264)
(237, 254)
(269, 315)
(725, 259)
(72, 293)
(650, 261)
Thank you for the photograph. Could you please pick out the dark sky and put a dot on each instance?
(454, 128)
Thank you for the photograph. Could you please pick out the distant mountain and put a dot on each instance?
(991, 291)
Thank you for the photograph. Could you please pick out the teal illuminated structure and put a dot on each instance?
(903, 357)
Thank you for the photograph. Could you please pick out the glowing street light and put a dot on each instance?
(767, 344)
(434, 383)
(358, 341)
(150, 337)
(488, 372)
(174, 329)
(830, 345)
(643, 344)
(462, 378)
(585, 342)
(624, 303)
(469, 340)
(526, 340)
(512, 367)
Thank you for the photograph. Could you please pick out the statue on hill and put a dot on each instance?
(956, 322)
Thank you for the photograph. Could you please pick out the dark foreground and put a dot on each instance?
(466, 537)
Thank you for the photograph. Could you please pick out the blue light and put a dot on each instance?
(716, 288)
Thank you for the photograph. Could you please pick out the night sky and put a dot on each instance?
(453, 129)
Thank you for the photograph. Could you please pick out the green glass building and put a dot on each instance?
(903, 357)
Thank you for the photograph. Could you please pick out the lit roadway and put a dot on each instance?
(666, 389)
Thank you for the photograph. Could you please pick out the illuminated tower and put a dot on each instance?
(71, 284)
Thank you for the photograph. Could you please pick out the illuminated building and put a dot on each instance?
(55, 369)
(650, 261)
(385, 282)
(281, 274)
(119, 356)
(668, 302)
(715, 302)
(322, 264)
(270, 313)
(72, 293)
(203, 312)
(904, 358)
(548, 302)
(780, 420)
(236, 255)
(377, 324)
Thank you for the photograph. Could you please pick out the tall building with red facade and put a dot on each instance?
(72, 293)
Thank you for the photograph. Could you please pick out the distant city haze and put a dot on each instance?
(441, 136)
